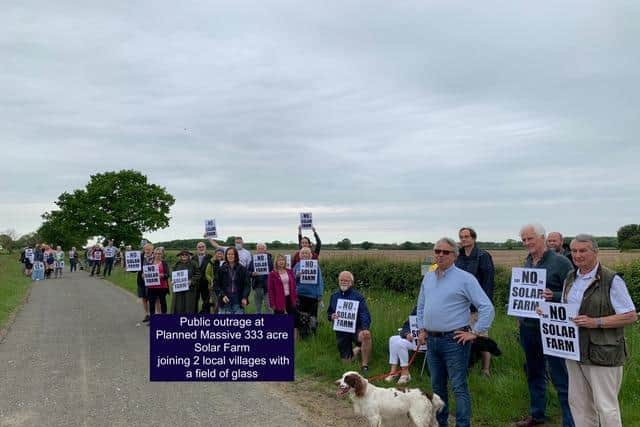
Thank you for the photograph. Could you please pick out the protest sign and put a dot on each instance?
(347, 311)
(132, 260)
(97, 256)
(180, 280)
(151, 275)
(28, 253)
(306, 220)
(525, 294)
(413, 326)
(261, 264)
(58, 264)
(110, 251)
(38, 265)
(309, 271)
(560, 336)
(210, 230)
(288, 259)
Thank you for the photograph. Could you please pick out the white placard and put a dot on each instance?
(261, 264)
(151, 275)
(210, 230)
(413, 325)
(28, 253)
(306, 220)
(180, 280)
(560, 336)
(347, 311)
(38, 265)
(58, 264)
(110, 251)
(288, 259)
(132, 260)
(525, 294)
(308, 271)
(97, 255)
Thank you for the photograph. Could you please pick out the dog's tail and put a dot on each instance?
(436, 404)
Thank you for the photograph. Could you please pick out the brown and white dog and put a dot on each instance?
(378, 404)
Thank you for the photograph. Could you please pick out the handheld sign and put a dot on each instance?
(413, 325)
(306, 220)
(180, 280)
(151, 275)
(560, 336)
(58, 264)
(527, 285)
(210, 230)
(288, 259)
(347, 311)
(110, 251)
(261, 264)
(28, 253)
(38, 265)
(308, 271)
(143, 242)
(97, 255)
(132, 260)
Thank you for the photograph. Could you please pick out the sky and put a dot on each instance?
(389, 121)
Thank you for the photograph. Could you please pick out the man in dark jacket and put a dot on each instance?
(362, 335)
(478, 262)
(202, 258)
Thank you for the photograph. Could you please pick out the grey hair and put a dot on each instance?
(537, 228)
(587, 238)
(261, 244)
(449, 241)
(348, 273)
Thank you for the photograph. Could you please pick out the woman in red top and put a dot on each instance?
(305, 242)
(281, 286)
(159, 292)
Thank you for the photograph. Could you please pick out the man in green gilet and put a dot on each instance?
(605, 308)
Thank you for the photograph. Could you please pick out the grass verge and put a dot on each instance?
(14, 286)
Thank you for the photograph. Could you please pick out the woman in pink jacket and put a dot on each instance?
(281, 286)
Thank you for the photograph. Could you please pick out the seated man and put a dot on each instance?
(362, 336)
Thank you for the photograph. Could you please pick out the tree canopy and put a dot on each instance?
(117, 205)
(629, 236)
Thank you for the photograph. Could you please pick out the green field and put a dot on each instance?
(13, 286)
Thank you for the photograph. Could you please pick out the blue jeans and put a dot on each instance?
(449, 360)
(108, 266)
(231, 309)
(536, 370)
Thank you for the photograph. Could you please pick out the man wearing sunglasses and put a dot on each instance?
(443, 319)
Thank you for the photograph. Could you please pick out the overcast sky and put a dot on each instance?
(390, 121)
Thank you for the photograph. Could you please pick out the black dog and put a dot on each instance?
(481, 344)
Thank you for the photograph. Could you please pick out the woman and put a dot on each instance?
(146, 258)
(186, 301)
(305, 242)
(59, 262)
(49, 260)
(309, 295)
(211, 271)
(281, 288)
(159, 292)
(232, 284)
(399, 346)
(73, 259)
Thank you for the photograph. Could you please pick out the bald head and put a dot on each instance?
(554, 241)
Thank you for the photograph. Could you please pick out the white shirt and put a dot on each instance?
(619, 295)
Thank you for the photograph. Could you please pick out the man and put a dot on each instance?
(243, 254)
(259, 281)
(97, 255)
(202, 258)
(605, 308)
(362, 337)
(109, 257)
(555, 243)
(479, 263)
(443, 319)
(557, 268)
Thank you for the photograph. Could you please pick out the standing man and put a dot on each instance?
(478, 262)
(243, 254)
(97, 254)
(109, 257)
(555, 243)
(557, 267)
(202, 258)
(259, 281)
(605, 309)
(362, 336)
(443, 319)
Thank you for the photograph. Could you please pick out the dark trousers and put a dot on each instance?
(203, 294)
(108, 266)
(94, 265)
(536, 370)
(157, 294)
(72, 265)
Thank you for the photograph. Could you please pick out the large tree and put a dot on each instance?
(117, 205)
(629, 236)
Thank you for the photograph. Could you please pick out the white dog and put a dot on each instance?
(378, 404)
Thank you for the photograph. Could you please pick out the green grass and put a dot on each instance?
(497, 401)
(14, 285)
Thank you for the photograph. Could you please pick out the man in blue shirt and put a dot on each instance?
(443, 319)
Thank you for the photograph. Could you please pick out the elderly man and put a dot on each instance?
(443, 318)
(362, 337)
(202, 258)
(555, 243)
(557, 268)
(605, 308)
(243, 254)
(259, 281)
(478, 262)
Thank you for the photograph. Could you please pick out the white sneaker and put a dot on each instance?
(404, 379)
(391, 378)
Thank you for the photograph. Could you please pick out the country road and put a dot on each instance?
(76, 357)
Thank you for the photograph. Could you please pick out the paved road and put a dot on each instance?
(75, 357)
